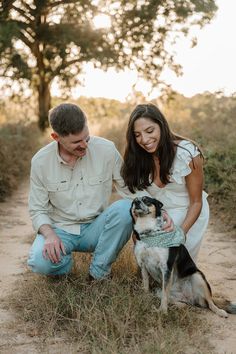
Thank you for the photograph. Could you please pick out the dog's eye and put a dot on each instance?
(146, 200)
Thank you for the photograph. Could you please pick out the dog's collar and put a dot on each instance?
(162, 239)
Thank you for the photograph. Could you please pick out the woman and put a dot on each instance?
(168, 167)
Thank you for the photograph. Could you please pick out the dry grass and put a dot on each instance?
(18, 143)
(112, 316)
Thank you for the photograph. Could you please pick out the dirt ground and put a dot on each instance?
(217, 260)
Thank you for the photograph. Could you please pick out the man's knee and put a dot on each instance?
(121, 208)
(38, 264)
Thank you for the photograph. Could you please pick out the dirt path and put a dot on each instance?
(217, 259)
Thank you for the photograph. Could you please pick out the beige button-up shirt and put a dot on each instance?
(65, 197)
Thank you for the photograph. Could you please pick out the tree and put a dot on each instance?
(46, 40)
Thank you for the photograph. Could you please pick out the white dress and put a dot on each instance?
(175, 196)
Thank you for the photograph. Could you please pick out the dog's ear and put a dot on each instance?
(158, 206)
(136, 235)
(131, 213)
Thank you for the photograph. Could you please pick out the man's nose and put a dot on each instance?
(83, 144)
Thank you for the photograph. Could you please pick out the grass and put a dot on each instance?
(112, 316)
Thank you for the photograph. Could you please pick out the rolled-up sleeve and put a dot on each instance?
(38, 200)
(119, 184)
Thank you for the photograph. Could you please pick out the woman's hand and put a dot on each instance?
(168, 222)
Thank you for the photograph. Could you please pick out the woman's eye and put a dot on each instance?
(150, 131)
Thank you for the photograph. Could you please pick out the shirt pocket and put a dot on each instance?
(59, 194)
(99, 188)
(57, 187)
(98, 180)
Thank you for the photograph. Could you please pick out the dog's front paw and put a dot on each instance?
(222, 313)
(162, 309)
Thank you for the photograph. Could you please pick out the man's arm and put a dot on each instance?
(38, 209)
(38, 199)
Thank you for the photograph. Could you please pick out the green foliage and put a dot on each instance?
(209, 119)
(45, 40)
(220, 172)
(17, 145)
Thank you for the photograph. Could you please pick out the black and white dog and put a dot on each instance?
(181, 280)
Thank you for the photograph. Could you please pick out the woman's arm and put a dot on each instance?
(194, 183)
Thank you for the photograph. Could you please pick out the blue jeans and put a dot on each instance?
(105, 237)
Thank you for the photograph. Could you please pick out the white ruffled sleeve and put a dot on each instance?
(185, 152)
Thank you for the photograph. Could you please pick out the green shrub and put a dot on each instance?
(220, 180)
(18, 142)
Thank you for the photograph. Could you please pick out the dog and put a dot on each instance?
(171, 265)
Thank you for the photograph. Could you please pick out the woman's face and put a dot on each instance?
(147, 134)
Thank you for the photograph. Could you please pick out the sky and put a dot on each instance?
(209, 66)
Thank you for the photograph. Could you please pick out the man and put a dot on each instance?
(70, 188)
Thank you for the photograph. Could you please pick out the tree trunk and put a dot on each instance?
(44, 103)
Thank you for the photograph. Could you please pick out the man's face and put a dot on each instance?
(73, 144)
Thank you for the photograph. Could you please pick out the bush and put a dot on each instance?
(220, 180)
(18, 142)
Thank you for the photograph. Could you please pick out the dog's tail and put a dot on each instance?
(231, 308)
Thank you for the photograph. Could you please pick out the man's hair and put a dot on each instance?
(67, 118)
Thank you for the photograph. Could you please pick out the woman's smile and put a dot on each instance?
(147, 134)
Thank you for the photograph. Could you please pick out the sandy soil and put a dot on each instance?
(217, 260)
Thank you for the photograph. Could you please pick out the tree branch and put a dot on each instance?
(29, 8)
(22, 13)
(26, 40)
(64, 64)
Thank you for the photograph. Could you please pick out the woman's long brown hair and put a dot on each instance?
(138, 170)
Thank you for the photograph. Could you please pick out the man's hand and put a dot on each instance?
(168, 222)
(53, 245)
